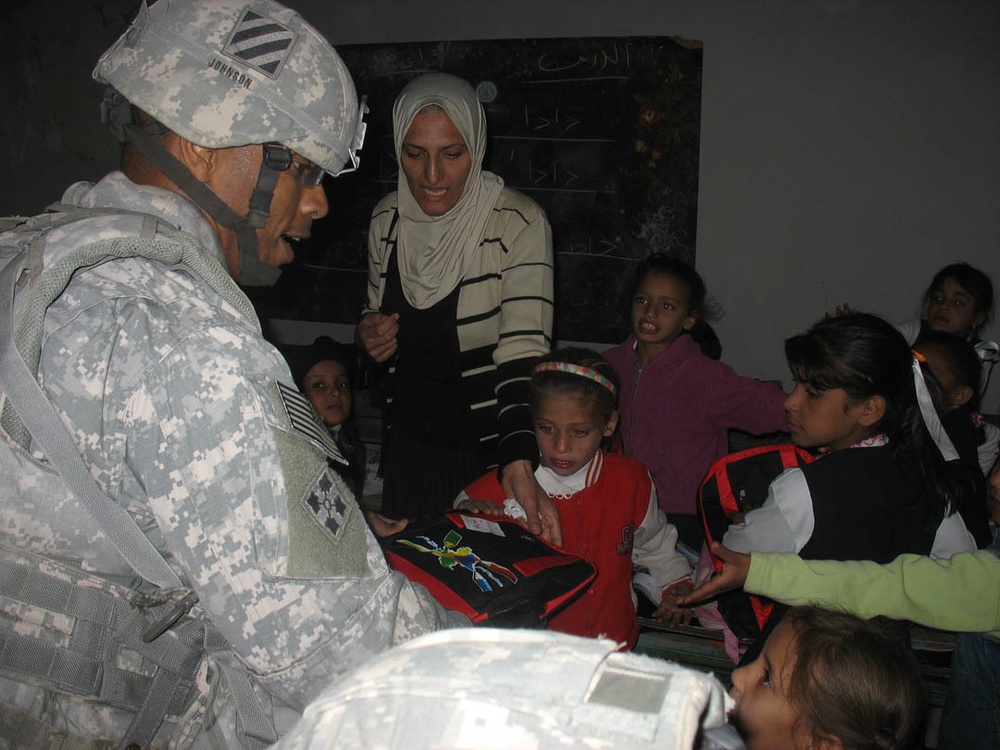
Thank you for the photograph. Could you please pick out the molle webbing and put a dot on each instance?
(84, 630)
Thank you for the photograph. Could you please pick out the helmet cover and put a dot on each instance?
(223, 73)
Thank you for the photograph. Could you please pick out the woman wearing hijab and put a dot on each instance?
(459, 305)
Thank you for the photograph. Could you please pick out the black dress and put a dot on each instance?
(429, 448)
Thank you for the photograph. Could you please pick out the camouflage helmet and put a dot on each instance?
(223, 73)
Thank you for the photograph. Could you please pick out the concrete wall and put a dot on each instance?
(849, 148)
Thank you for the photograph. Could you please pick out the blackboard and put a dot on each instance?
(602, 132)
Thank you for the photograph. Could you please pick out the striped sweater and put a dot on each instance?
(504, 317)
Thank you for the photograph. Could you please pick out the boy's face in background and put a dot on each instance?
(944, 374)
(569, 430)
(327, 386)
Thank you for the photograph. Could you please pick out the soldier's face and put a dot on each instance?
(294, 207)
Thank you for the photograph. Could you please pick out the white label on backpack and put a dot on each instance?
(478, 523)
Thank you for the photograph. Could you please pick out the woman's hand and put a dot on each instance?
(518, 481)
(733, 576)
(377, 334)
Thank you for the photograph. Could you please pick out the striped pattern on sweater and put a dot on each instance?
(504, 316)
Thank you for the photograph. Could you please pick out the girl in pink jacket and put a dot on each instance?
(676, 404)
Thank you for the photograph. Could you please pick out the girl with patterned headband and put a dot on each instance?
(607, 502)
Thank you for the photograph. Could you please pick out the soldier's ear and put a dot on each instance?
(199, 160)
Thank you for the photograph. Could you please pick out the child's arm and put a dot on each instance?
(784, 523)
(745, 403)
(961, 594)
(655, 548)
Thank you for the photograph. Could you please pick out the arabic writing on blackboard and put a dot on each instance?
(602, 132)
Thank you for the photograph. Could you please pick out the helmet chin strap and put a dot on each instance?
(252, 271)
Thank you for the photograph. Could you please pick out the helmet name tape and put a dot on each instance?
(261, 43)
(238, 77)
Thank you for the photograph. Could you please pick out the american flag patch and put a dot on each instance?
(306, 421)
(261, 43)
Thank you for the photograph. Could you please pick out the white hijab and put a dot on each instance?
(434, 251)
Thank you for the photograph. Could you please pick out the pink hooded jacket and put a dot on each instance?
(676, 409)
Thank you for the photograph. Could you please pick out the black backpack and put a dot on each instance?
(735, 484)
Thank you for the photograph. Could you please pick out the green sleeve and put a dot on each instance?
(961, 594)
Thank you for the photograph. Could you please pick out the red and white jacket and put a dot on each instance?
(610, 516)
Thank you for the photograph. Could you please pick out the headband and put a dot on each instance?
(929, 413)
(580, 370)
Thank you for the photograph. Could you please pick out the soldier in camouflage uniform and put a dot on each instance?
(156, 365)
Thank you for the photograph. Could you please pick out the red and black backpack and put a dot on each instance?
(736, 484)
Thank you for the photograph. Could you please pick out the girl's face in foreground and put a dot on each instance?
(953, 310)
(824, 419)
(327, 387)
(569, 431)
(764, 714)
(660, 313)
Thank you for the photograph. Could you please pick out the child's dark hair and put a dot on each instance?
(302, 358)
(701, 307)
(961, 357)
(972, 280)
(547, 382)
(865, 356)
(854, 680)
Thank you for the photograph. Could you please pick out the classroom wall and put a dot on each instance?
(849, 148)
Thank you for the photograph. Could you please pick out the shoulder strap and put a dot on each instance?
(36, 412)
(23, 394)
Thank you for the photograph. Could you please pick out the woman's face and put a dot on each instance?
(436, 161)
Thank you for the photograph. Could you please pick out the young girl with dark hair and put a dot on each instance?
(881, 487)
(607, 502)
(322, 372)
(830, 681)
(959, 301)
(677, 403)
(953, 380)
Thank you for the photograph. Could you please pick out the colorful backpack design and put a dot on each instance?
(492, 570)
(733, 485)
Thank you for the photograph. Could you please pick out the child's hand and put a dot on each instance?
(733, 576)
(670, 610)
(383, 526)
(481, 506)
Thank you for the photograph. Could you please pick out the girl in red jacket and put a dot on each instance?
(607, 503)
